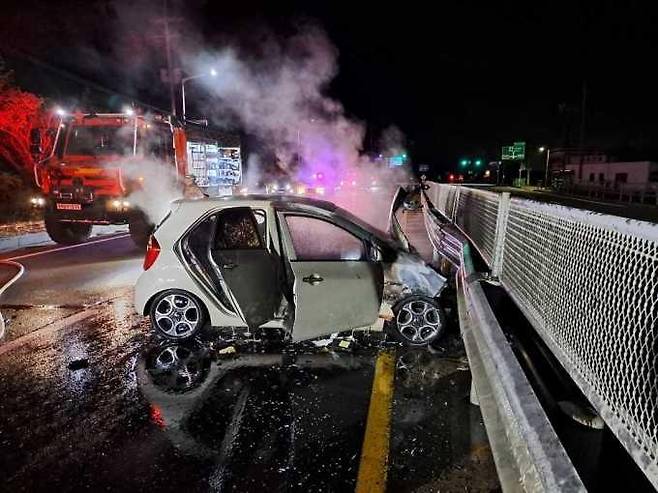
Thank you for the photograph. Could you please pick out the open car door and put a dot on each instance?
(248, 268)
(335, 285)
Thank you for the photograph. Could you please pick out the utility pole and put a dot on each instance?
(583, 108)
(581, 137)
(167, 36)
(170, 71)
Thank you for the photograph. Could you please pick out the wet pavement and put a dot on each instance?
(102, 404)
(60, 283)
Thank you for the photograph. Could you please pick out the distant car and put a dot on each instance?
(300, 265)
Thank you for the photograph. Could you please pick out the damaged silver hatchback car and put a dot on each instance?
(305, 267)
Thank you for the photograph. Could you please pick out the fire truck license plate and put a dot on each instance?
(69, 207)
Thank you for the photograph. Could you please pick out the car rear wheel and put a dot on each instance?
(177, 314)
(66, 233)
(418, 321)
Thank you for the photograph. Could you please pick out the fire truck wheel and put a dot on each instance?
(66, 233)
(140, 230)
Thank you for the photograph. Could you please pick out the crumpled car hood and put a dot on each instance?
(409, 274)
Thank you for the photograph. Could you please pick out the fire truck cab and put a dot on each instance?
(94, 167)
(84, 180)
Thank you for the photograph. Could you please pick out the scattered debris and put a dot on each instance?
(325, 342)
(78, 364)
(227, 350)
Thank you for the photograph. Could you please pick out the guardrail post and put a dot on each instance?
(455, 205)
(501, 228)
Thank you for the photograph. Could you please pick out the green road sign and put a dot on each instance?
(515, 152)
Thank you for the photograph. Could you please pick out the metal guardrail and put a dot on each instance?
(528, 454)
(588, 283)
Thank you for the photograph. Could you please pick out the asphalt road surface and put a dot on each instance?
(92, 400)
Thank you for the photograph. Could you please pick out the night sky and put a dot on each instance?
(457, 78)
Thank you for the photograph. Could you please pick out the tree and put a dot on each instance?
(20, 111)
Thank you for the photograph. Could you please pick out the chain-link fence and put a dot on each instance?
(443, 198)
(476, 214)
(589, 285)
(474, 211)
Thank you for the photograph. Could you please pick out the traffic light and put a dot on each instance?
(478, 162)
(464, 163)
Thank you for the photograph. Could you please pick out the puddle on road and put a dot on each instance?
(438, 439)
(260, 419)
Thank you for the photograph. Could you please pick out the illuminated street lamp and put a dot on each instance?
(548, 154)
(211, 73)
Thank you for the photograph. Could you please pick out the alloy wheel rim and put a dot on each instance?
(418, 321)
(177, 315)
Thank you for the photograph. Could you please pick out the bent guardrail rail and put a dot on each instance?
(588, 283)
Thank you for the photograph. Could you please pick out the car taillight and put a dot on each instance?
(152, 252)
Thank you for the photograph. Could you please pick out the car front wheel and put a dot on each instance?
(177, 314)
(418, 321)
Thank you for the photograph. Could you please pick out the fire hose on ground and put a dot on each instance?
(3, 288)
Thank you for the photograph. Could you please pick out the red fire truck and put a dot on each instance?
(84, 181)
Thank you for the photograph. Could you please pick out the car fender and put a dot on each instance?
(170, 274)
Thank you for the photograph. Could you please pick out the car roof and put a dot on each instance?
(253, 200)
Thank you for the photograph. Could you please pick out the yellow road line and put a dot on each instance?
(374, 455)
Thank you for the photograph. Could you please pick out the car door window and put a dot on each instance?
(315, 239)
(237, 229)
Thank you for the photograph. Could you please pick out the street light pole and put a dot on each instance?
(212, 73)
(548, 154)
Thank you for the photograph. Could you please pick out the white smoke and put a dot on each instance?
(154, 185)
(281, 98)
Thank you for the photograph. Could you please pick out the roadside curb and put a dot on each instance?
(19, 241)
(10, 243)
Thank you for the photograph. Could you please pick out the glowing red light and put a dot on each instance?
(451, 177)
(152, 252)
(156, 416)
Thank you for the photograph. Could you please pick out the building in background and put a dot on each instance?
(593, 168)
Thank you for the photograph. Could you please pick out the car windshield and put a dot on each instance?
(100, 140)
(381, 234)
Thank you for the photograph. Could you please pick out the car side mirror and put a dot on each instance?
(35, 142)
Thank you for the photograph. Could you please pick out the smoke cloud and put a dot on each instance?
(281, 98)
(156, 185)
